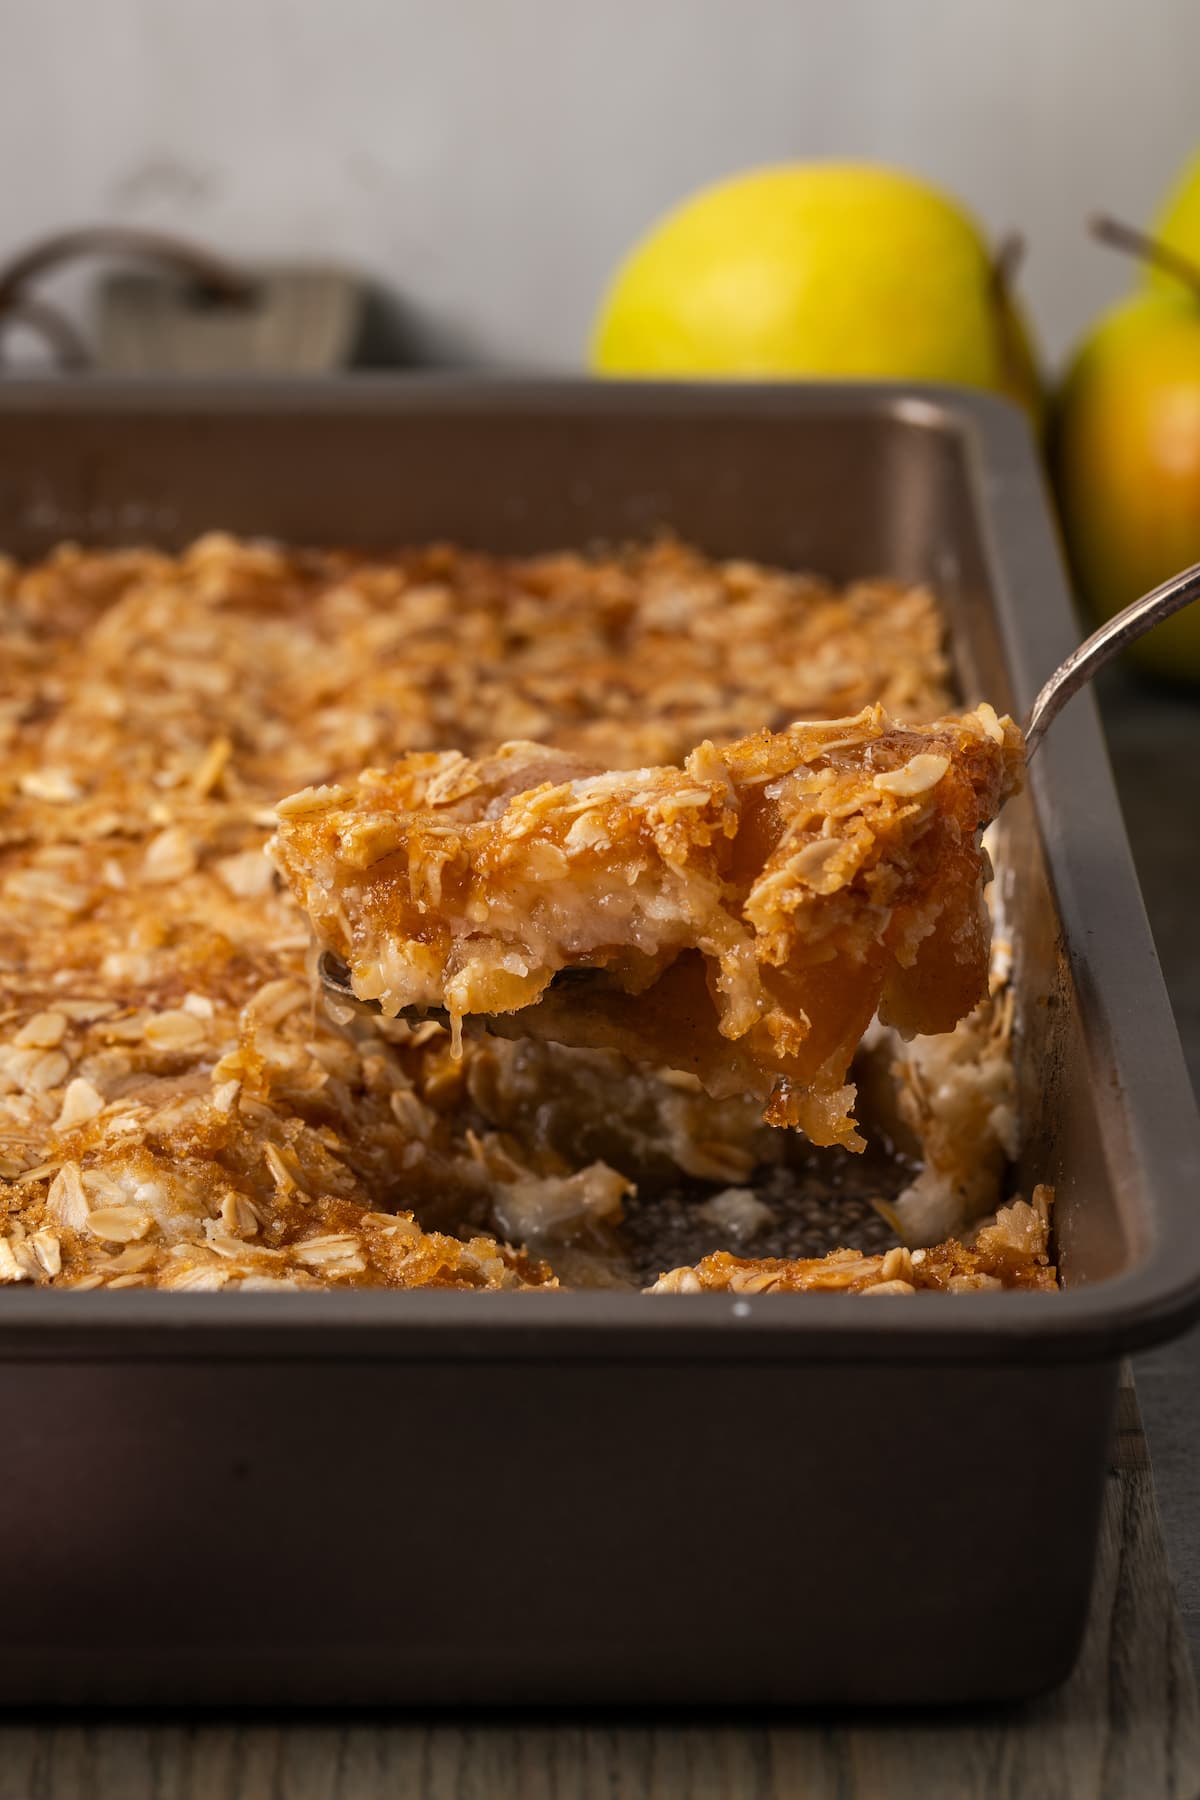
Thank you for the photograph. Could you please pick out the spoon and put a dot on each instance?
(1113, 636)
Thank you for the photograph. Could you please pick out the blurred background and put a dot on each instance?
(489, 161)
(470, 183)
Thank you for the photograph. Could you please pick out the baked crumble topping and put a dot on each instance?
(178, 1109)
(742, 917)
(1011, 1252)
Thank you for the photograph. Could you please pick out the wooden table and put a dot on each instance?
(1154, 737)
(1125, 1727)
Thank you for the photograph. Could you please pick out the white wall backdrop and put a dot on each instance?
(490, 159)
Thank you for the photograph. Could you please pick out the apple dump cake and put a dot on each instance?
(178, 1106)
(741, 918)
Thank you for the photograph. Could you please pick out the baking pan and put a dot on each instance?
(449, 1498)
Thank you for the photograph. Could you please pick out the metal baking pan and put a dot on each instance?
(445, 1498)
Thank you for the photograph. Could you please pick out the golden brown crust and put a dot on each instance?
(1011, 1252)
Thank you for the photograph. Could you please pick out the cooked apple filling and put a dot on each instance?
(742, 918)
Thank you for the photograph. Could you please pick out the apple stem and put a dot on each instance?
(1151, 250)
(1010, 254)
(1007, 259)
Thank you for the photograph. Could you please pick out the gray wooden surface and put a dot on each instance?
(1154, 737)
(1125, 1727)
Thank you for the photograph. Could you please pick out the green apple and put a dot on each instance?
(816, 269)
(1126, 462)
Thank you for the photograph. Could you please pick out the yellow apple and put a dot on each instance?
(815, 269)
(1126, 460)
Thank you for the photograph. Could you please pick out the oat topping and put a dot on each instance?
(1011, 1252)
(177, 1108)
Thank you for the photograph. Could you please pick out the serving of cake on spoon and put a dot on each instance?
(741, 917)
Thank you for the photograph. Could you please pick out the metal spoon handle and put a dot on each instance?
(1104, 644)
